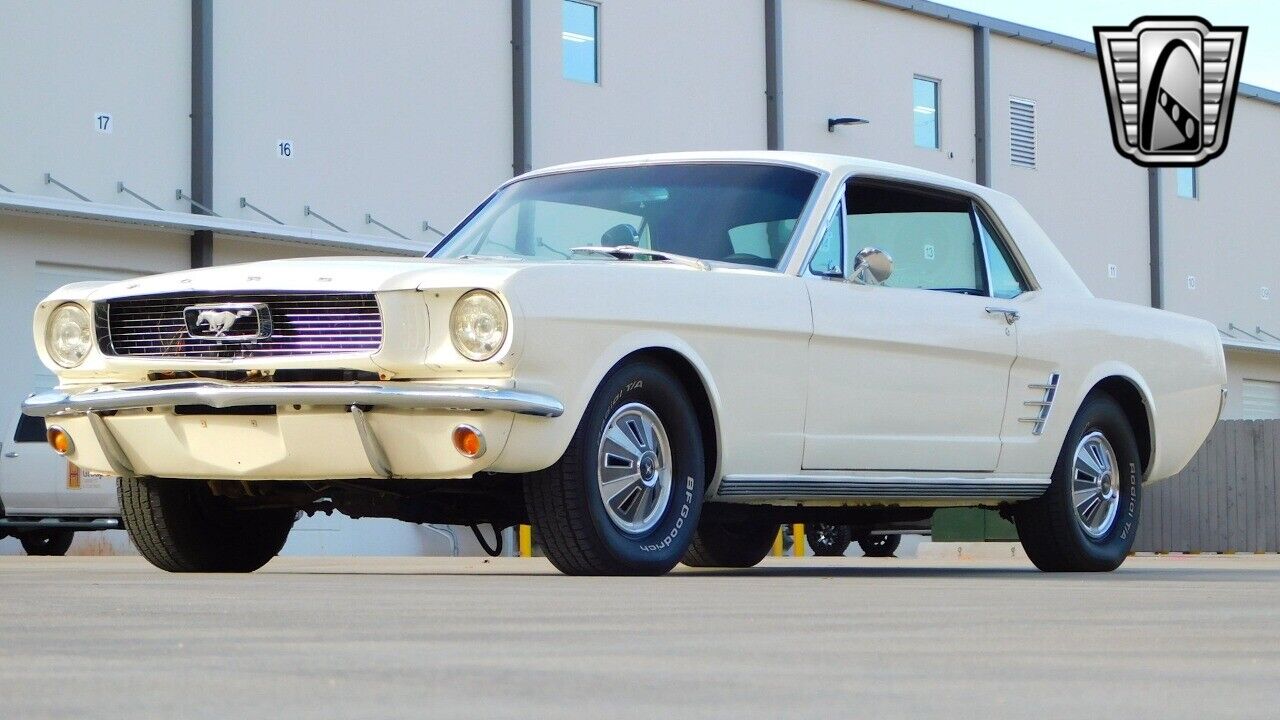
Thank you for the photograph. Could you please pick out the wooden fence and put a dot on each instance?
(1226, 500)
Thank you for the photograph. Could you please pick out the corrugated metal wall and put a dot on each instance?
(1226, 500)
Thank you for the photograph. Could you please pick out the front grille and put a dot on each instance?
(302, 324)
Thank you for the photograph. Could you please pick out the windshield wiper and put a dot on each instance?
(517, 258)
(631, 252)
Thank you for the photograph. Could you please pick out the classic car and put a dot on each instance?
(650, 360)
(44, 499)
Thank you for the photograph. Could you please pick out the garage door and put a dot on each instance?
(1261, 400)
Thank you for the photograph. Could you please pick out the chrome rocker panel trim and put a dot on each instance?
(799, 488)
(217, 394)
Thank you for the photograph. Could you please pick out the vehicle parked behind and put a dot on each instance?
(44, 498)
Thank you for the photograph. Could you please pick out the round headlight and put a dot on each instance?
(478, 325)
(68, 336)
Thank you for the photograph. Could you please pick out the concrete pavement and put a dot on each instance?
(1168, 637)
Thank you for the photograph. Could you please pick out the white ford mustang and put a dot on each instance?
(651, 360)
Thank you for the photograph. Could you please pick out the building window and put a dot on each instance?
(1188, 183)
(578, 39)
(924, 111)
(1022, 132)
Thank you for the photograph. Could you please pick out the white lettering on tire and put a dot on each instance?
(675, 530)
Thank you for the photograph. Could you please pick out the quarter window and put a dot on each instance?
(581, 21)
(930, 236)
(924, 111)
(1006, 281)
(828, 259)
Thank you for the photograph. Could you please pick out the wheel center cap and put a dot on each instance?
(648, 469)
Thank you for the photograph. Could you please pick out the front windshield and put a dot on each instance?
(726, 212)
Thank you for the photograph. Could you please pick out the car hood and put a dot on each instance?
(325, 274)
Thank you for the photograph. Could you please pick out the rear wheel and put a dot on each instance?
(828, 540)
(47, 542)
(181, 526)
(1087, 520)
(741, 544)
(624, 498)
(880, 545)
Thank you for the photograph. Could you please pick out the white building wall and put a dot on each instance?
(845, 58)
(63, 63)
(1089, 199)
(673, 76)
(400, 109)
(1228, 239)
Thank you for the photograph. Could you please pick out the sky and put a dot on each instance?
(1077, 18)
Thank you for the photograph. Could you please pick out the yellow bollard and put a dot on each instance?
(797, 534)
(777, 543)
(526, 541)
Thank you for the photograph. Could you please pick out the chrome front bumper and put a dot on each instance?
(216, 394)
(128, 443)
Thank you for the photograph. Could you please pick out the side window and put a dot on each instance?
(930, 236)
(828, 259)
(1006, 281)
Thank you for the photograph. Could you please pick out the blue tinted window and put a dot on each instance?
(1188, 183)
(924, 111)
(578, 38)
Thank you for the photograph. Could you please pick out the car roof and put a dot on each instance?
(822, 162)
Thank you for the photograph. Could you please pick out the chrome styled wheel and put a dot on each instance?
(1095, 485)
(634, 468)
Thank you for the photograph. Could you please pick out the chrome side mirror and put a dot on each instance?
(871, 266)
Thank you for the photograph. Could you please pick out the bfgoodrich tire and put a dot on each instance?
(625, 497)
(181, 526)
(827, 539)
(1087, 520)
(719, 544)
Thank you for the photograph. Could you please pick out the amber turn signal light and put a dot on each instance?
(468, 441)
(59, 440)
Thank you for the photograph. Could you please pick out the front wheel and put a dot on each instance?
(1087, 519)
(47, 543)
(827, 540)
(625, 497)
(181, 526)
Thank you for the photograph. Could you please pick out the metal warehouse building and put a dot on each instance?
(143, 136)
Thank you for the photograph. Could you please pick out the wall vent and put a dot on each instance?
(1022, 132)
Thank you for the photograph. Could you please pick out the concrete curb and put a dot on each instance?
(970, 551)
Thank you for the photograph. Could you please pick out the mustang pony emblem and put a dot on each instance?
(220, 322)
(226, 322)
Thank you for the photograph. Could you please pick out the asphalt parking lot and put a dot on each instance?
(1169, 637)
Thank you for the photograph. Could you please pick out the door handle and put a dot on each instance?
(1010, 316)
(11, 454)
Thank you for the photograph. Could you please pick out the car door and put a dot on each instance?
(912, 374)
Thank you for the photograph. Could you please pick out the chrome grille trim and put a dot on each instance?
(304, 324)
